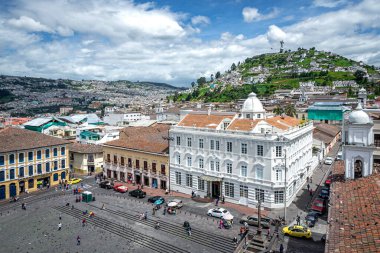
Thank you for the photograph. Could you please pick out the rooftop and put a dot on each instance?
(354, 215)
(12, 139)
(204, 120)
(85, 148)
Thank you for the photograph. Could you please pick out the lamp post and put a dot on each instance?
(259, 217)
(168, 138)
(285, 188)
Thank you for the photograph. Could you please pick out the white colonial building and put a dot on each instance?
(241, 156)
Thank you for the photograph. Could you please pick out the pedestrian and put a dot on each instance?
(311, 192)
(311, 180)
(154, 211)
(72, 207)
(245, 225)
(307, 179)
(222, 199)
(217, 201)
(189, 230)
(281, 248)
(221, 224)
(235, 241)
(146, 215)
(157, 226)
(60, 217)
(268, 233)
(298, 220)
(78, 240)
(103, 207)
(59, 226)
(192, 194)
(308, 187)
(83, 222)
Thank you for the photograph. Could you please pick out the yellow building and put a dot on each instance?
(86, 158)
(29, 160)
(140, 155)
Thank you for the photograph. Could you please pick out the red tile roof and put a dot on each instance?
(85, 148)
(243, 124)
(283, 122)
(354, 215)
(204, 120)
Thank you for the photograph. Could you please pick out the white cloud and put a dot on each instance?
(329, 3)
(28, 24)
(200, 20)
(252, 14)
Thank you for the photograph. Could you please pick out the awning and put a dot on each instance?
(211, 178)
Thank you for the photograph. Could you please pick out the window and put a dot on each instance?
(47, 153)
(259, 173)
(130, 162)
(178, 140)
(47, 167)
(248, 116)
(1, 160)
(278, 197)
(21, 171)
(178, 178)
(260, 150)
(229, 189)
(11, 159)
(63, 164)
(21, 158)
(30, 168)
(189, 162)
(55, 151)
(137, 164)
(259, 116)
(278, 175)
(229, 146)
(63, 151)
(201, 184)
(115, 159)
(225, 125)
(189, 142)
(108, 158)
(55, 177)
(30, 156)
(154, 167)
(217, 146)
(244, 148)
(122, 160)
(243, 191)
(189, 180)
(229, 168)
(212, 165)
(39, 154)
(201, 143)
(2, 176)
(163, 169)
(278, 151)
(12, 174)
(55, 165)
(178, 158)
(217, 166)
(243, 170)
(145, 165)
(259, 194)
(200, 163)
(212, 144)
(31, 183)
(39, 168)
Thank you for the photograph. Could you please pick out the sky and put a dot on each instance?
(174, 41)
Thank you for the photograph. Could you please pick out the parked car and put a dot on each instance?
(311, 218)
(325, 193)
(328, 181)
(105, 184)
(122, 189)
(297, 231)
(339, 156)
(116, 185)
(319, 206)
(219, 213)
(175, 203)
(137, 193)
(329, 160)
(254, 221)
(153, 199)
(74, 181)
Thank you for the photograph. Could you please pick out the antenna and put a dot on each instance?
(282, 46)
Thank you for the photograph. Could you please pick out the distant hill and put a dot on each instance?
(266, 73)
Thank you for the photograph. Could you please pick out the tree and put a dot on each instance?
(278, 110)
(217, 75)
(290, 110)
(360, 76)
(201, 81)
(233, 67)
(192, 84)
(212, 77)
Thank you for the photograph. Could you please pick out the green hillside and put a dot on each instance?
(266, 73)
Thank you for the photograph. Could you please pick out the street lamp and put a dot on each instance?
(285, 188)
(168, 138)
(259, 216)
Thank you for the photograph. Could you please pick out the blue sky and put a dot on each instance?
(174, 41)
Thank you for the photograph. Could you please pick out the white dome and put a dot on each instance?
(252, 104)
(359, 116)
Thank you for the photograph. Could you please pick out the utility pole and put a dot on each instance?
(168, 138)
(259, 216)
(285, 188)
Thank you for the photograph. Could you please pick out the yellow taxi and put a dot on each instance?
(74, 181)
(297, 231)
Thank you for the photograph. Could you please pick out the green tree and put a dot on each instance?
(233, 67)
(217, 75)
(212, 77)
(192, 84)
(360, 76)
(202, 80)
(278, 110)
(290, 110)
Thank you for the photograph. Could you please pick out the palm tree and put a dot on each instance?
(278, 110)
(290, 110)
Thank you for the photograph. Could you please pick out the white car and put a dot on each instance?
(219, 213)
(329, 160)
(175, 203)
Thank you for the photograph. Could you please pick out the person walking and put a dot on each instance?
(268, 233)
(222, 199)
(235, 241)
(154, 211)
(189, 230)
(217, 201)
(83, 222)
(311, 180)
(60, 217)
(298, 220)
(281, 248)
(59, 226)
(308, 187)
(78, 240)
(146, 215)
(311, 192)
(164, 213)
(221, 224)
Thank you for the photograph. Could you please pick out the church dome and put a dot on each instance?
(358, 116)
(252, 104)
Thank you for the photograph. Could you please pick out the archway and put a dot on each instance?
(12, 190)
(358, 169)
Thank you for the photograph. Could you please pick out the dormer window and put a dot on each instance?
(259, 116)
(248, 116)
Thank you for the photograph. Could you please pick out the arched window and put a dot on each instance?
(358, 168)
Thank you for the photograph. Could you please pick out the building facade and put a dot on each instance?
(86, 158)
(29, 160)
(140, 156)
(245, 157)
